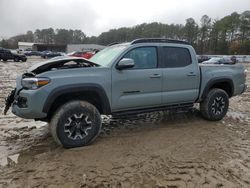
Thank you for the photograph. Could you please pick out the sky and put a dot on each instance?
(96, 16)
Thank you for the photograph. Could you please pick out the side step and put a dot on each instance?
(181, 107)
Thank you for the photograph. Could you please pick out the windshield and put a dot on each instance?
(107, 55)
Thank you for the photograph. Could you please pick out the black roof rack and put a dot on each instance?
(158, 40)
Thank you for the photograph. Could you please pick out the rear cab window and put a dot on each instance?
(175, 57)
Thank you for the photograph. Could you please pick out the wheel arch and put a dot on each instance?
(221, 83)
(92, 93)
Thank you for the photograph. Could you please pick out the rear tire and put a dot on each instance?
(215, 105)
(75, 124)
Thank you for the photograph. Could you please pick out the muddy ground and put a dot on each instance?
(151, 150)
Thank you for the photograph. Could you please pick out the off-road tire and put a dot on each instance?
(214, 107)
(81, 114)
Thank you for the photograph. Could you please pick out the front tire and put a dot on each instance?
(215, 105)
(75, 124)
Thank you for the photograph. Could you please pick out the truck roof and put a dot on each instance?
(151, 40)
(159, 40)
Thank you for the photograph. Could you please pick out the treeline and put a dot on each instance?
(48, 36)
(229, 35)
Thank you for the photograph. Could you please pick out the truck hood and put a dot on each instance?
(62, 62)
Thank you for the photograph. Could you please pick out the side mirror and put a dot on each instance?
(125, 63)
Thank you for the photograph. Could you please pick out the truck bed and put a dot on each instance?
(210, 73)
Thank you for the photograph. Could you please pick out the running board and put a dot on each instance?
(147, 110)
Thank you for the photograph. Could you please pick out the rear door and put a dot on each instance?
(181, 75)
(140, 86)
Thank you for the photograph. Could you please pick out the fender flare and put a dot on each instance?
(73, 88)
(215, 81)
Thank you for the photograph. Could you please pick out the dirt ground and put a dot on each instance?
(152, 150)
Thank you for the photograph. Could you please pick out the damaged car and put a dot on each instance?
(144, 75)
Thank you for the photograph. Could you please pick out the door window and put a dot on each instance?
(144, 57)
(176, 57)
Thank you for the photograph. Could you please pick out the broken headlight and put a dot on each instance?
(34, 83)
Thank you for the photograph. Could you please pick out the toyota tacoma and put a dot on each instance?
(141, 76)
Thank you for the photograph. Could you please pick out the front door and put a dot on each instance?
(138, 87)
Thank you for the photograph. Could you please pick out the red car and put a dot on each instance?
(84, 54)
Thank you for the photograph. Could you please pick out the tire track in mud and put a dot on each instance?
(157, 171)
(160, 173)
(239, 165)
(238, 121)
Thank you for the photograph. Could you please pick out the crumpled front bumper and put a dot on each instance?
(28, 104)
(9, 100)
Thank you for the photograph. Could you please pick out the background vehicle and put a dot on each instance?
(202, 58)
(142, 76)
(218, 60)
(49, 54)
(32, 53)
(6, 55)
(84, 54)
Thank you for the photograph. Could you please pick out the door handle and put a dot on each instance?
(191, 74)
(155, 76)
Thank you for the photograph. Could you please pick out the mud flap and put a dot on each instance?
(9, 100)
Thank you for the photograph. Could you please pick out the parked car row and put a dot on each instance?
(44, 54)
(216, 60)
(202, 58)
(50, 54)
(6, 55)
(85, 54)
(32, 53)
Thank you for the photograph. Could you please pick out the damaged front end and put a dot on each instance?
(28, 84)
(8, 101)
(13, 97)
(61, 63)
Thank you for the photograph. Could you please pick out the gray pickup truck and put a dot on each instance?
(127, 78)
